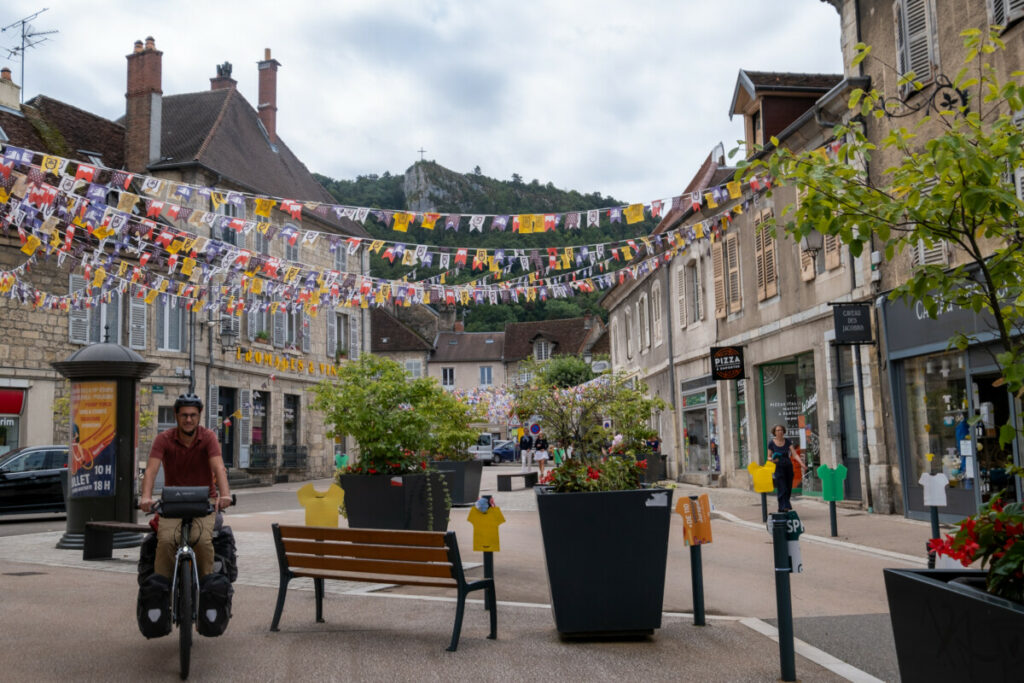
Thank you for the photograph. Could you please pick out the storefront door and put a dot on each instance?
(226, 405)
(848, 443)
(992, 406)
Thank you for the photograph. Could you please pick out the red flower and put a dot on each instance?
(372, 471)
(642, 464)
(423, 464)
(593, 473)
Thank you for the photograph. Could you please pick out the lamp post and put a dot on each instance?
(812, 242)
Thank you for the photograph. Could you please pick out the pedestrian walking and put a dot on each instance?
(540, 451)
(526, 451)
(782, 452)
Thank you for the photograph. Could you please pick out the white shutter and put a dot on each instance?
(681, 293)
(212, 396)
(1018, 183)
(78, 319)
(997, 12)
(279, 329)
(332, 334)
(914, 45)
(137, 323)
(307, 333)
(935, 255)
(250, 316)
(354, 343)
(245, 427)
(1014, 10)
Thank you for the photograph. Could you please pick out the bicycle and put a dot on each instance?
(186, 503)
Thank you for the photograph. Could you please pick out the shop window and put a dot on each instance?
(916, 42)
(260, 410)
(790, 398)
(742, 430)
(937, 411)
(290, 414)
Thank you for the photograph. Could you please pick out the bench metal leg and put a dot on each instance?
(98, 544)
(457, 630)
(318, 590)
(282, 591)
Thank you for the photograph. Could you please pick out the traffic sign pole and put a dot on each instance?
(783, 597)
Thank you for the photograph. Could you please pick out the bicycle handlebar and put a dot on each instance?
(157, 505)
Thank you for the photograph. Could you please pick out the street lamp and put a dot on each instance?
(228, 337)
(812, 242)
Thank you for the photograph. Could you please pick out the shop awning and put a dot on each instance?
(11, 401)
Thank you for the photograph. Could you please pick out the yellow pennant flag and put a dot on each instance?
(698, 231)
(376, 245)
(257, 286)
(430, 220)
(735, 189)
(634, 213)
(187, 265)
(291, 273)
(401, 221)
(408, 257)
(525, 224)
(175, 246)
(263, 207)
(426, 296)
(122, 269)
(217, 199)
(31, 244)
(103, 232)
(710, 199)
(98, 278)
(126, 202)
(56, 239)
(163, 286)
(151, 296)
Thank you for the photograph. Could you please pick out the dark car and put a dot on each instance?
(30, 479)
(505, 451)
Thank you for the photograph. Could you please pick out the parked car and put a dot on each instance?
(504, 451)
(30, 479)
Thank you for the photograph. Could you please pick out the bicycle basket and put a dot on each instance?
(178, 502)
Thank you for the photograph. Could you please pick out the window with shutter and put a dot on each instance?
(137, 323)
(771, 270)
(732, 266)
(250, 317)
(924, 255)
(627, 332)
(212, 395)
(696, 291)
(915, 43)
(759, 258)
(244, 427)
(681, 294)
(718, 268)
(332, 334)
(643, 327)
(807, 265)
(656, 312)
(78, 318)
(1004, 12)
(280, 325)
(833, 252)
(307, 333)
(355, 344)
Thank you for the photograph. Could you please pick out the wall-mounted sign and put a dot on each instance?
(852, 323)
(726, 362)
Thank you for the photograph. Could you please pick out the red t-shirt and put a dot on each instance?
(187, 465)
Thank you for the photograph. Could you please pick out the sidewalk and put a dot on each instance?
(388, 633)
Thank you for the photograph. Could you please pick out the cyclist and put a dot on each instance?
(190, 455)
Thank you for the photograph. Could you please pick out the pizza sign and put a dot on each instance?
(726, 362)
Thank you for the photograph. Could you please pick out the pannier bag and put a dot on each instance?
(215, 591)
(147, 557)
(153, 609)
(177, 502)
(225, 559)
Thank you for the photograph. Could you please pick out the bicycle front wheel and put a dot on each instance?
(185, 594)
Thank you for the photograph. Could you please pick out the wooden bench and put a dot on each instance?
(413, 558)
(99, 538)
(505, 480)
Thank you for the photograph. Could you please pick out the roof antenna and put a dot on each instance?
(30, 37)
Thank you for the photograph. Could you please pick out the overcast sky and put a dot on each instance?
(624, 98)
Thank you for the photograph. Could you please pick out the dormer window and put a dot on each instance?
(542, 349)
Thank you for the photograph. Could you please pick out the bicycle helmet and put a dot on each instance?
(190, 400)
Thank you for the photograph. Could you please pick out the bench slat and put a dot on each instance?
(370, 566)
(119, 526)
(432, 539)
(375, 552)
(344, 576)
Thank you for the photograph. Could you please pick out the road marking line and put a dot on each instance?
(808, 651)
(880, 552)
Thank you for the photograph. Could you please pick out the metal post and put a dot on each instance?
(764, 507)
(191, 351)
(865, 453)
(488, 574)
(783, 599)
(697, 581)
(933, 511)
(832, 517)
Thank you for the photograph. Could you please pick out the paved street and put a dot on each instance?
(378, 632)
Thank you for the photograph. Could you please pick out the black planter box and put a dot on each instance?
(385, 502)
(950, 631)
(606, 553)
(465, 478)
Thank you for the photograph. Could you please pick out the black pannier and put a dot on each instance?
(225, 559)
(215, 591)
(153, 609)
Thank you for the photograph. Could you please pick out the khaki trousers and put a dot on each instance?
(169, 534)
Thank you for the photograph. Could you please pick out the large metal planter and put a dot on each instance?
(950, 631)
(606, 555)
(385, 502)
(465, 479)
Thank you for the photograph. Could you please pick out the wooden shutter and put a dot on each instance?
(914, 46)
(771, 270)
(280, 331)
(807, 265)
(251, 321)
(732, 265)
(212, 398)
(681, 293)
(923, 255)
(354, 345)
(698, 287)
(306, 332)
(656, 311)
(833, 251)
(718, 265)
(78, 318)
(759, 258)
(245, 427)
(332, 334)
(137, 323)
(1003, 12)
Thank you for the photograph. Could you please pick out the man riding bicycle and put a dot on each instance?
(190, 455)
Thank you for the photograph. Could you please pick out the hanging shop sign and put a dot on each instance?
(726, 362)
(852, 323)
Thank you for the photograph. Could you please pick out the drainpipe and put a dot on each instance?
(667, 303)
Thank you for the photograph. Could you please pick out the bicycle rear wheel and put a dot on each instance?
(185, 594)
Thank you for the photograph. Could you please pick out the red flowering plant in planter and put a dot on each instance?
(614, 473)
(996, 537)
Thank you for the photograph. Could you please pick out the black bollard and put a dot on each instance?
(697, 581)
(783, 598)
(488, 574)
(832, 517)
(933, 511)
(764, 507)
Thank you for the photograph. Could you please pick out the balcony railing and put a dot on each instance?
(294, 457)
(263, 456)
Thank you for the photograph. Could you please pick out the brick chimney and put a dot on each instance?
(267, 107)
(143, 106)
(223, 79)
(10, 93)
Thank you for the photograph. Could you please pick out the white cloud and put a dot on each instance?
(622, 98)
